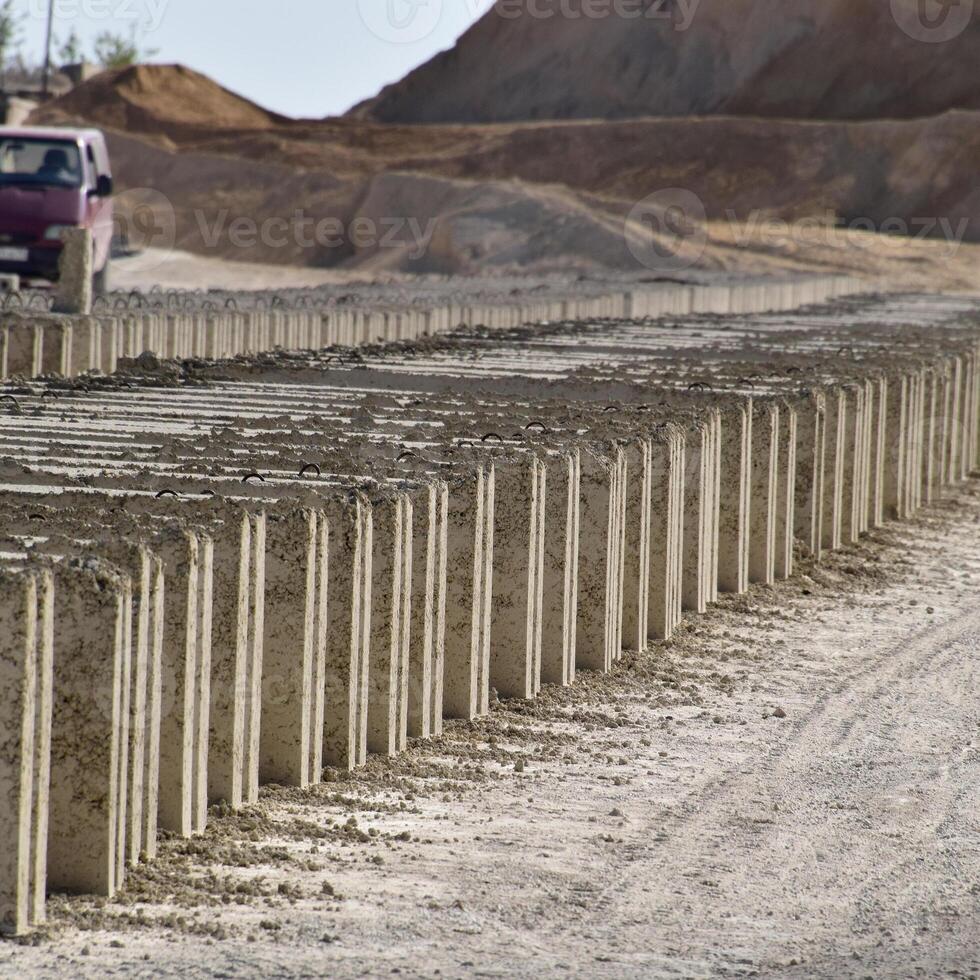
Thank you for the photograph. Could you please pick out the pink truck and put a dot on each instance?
(50, 180)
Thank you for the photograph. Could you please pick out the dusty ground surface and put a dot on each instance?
(791, 787)
(153, 270)
(166, 269)
(887, 263)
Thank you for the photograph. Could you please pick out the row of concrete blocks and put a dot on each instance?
(33, 346)
(219, 619)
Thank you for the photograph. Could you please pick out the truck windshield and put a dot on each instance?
(37, 162)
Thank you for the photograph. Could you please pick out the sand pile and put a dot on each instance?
(522, 196)
(169, 100)
(810, 59)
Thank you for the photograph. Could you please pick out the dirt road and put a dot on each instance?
(173, 269)
(790, 788)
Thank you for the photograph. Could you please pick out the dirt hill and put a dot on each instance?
(805, 59)
(162, 100)
(534, 196)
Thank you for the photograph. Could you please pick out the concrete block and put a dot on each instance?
(87, 730)
(140, 701)
(896, 449)
(952, 424)
(23, 349)
(735, 498)
(236, 661)
(698, 525)
(73, 293)
(150, 791)
(668, 461)
(833, 479)
(931, 435)
(405, 626)
(942, 440)
(865, 450)
(427, 641)
(188, 562)
(559, 608)
(913, 456)
(969, 414)
(294, 646)
(348, 635)
(518, 557)
(470, 533)
(713, 511)
(636, 575)
(600, 546)
(879, 441)
(961, 459)
(390, 623)
(26, 636)
(764, 495)
(141, 682)
(616, 639)
(321, 634)
(786, 490)
(853, 499)
(973, 413)
(111, 349)
(56, 352)
(86, 346)
(124, 681)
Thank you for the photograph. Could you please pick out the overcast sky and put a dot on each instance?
(300, 57)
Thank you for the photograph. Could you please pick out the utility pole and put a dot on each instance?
(47, 49)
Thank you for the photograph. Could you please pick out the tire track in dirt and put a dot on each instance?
(858, 802)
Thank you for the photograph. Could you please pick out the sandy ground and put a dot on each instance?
(791, 787)
(758, 250)
(174, 269)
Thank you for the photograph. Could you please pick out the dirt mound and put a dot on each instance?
(409, 222)
(534, 196)
(905, 170)
(425, 223)
(809, 59)
(464, 227)
(902, 169)
(167, 100)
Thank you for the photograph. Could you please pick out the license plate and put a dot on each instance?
(13, 254)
